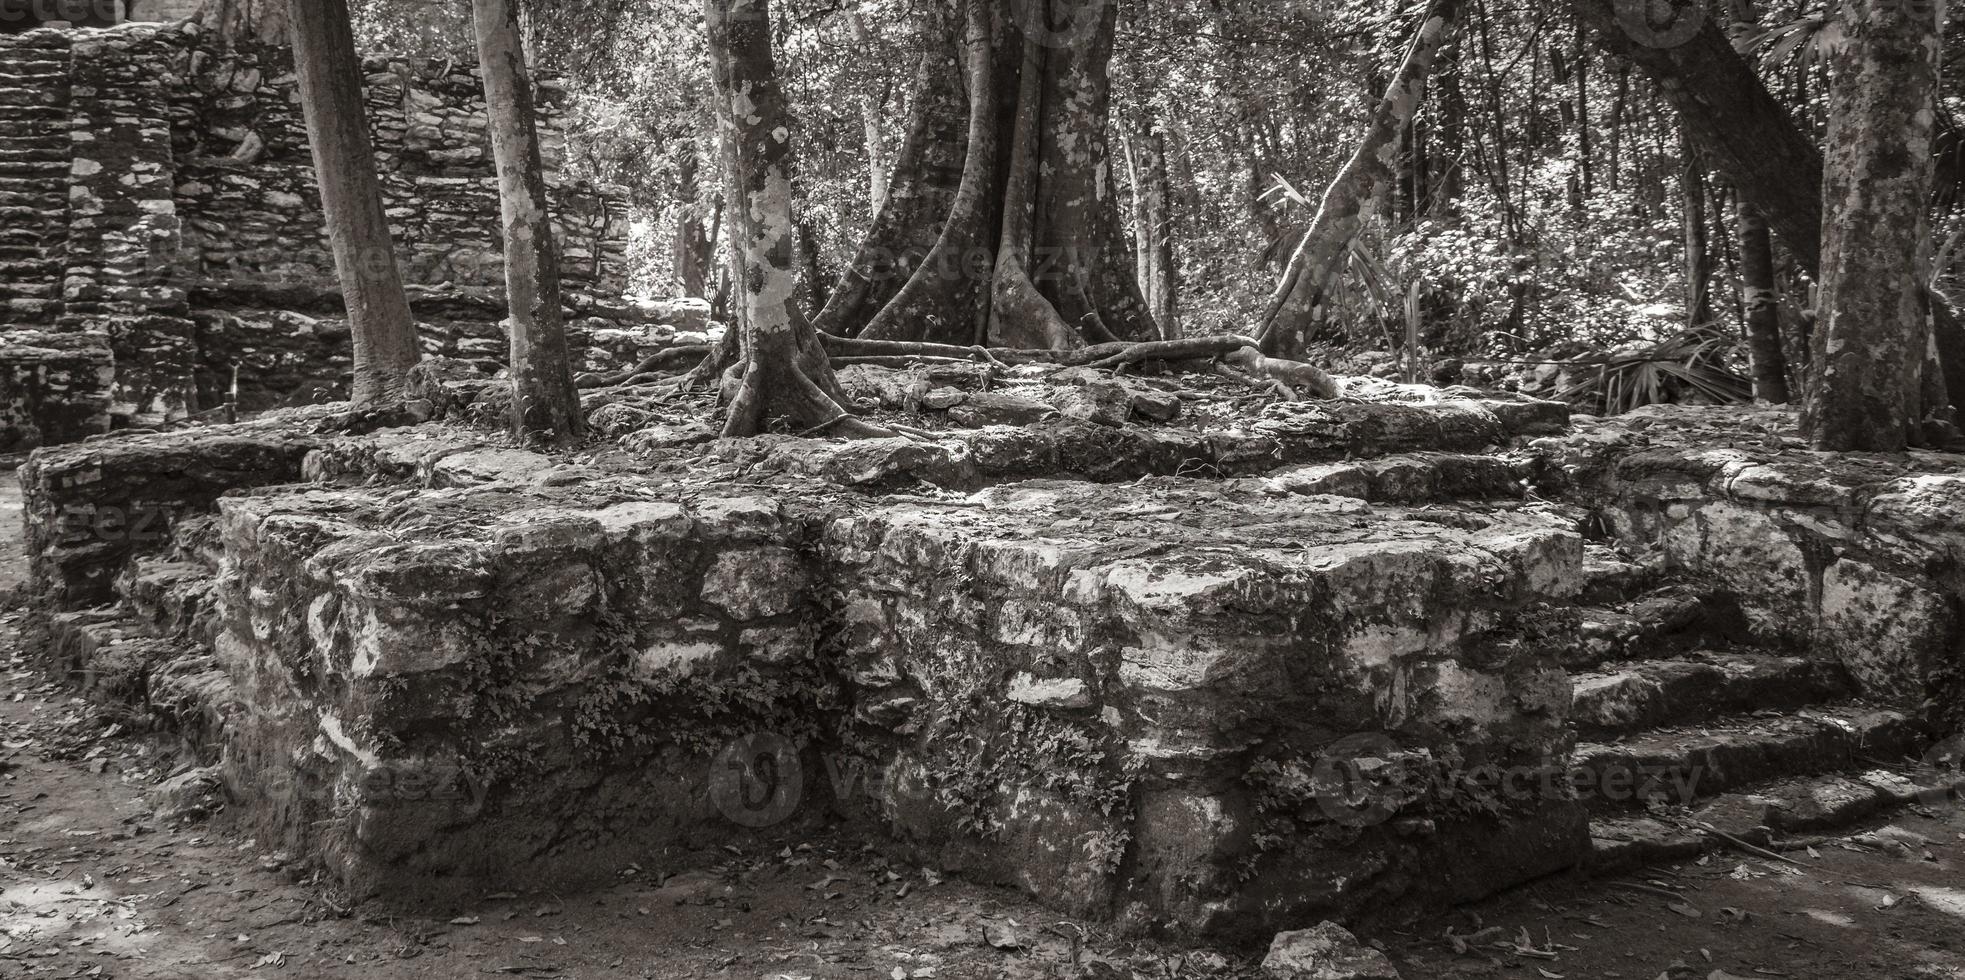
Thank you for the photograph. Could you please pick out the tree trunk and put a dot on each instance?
(330, 82)
(1162, 278)
(871, 112)
(1448, 185)
(693, 248)
(1142, 242)
(1585, 140)
(1698, 250)
(1746, 133)
(1871, 340)
(783, 372)
(1355, 194)
(545, 405)
(1763, 307)
(1007, 171)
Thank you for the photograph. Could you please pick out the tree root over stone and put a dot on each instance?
(1231, 356)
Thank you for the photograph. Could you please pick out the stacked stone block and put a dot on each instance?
(157, 189)
(34, 166)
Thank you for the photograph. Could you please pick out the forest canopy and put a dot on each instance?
(1542, 198)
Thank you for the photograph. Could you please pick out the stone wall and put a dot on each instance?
(159, 192)
(54, 388)
(1125, 716)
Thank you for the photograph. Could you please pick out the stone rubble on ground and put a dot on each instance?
(1326, 952)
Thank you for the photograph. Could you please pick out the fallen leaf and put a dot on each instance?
(1001, 936)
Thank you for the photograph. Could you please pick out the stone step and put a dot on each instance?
(53, 144)
(195, 541)
(33, 96)
(37, 71)
(26, 268)
(49, 151)
(1659, 624)
(1764, 815)
(108, 654)
(1695, 763)
(175, 685)
(1610, 577)
(172, 598)
(1406, 478)
(42, 130)
(14, 215)
(49, 205)
(51, 213)
(1651, 693)
(32, 111)
(192, 696)
(27, 310)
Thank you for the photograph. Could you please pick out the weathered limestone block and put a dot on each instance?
(1894, 634)
(560, 655)
(90, 507)
(1170, 639)
(1921, 513)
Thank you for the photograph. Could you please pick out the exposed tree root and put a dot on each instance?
(1288, 376)
(1188, 349)
(898, 361)
(653, 362)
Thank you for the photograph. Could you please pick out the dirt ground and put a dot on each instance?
(92, 884)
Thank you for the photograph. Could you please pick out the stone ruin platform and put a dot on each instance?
(1325, 661)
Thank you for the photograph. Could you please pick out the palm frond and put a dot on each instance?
(1690, 363)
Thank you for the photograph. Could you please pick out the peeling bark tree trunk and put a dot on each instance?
(545, 405)
(330, 80)
(1356, 194)
(1002, 221)
(1871, 340)
(782, 371)
(1763, 307)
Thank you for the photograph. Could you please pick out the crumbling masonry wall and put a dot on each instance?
(1124, 718)
(158, 192)
(1858, 557)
